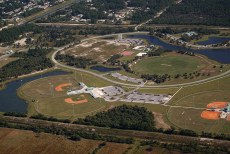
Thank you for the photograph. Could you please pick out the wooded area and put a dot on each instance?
(33, 60)
(122, 117)
(205, 12)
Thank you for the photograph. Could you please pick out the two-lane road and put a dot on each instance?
(213, 78)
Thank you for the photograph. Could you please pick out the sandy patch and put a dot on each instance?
(158, 117)
(166, 65)
(21, 42)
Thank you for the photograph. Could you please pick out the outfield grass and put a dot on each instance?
(42, 97)
(191, 119)
(199, 96)
(170, 64)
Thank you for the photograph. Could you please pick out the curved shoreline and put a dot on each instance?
(225, 74)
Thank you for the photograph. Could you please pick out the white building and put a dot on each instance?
(141, 54)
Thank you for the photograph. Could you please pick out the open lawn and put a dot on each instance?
(20, 141)
(171, 64)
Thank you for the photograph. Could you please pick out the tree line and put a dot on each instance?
(13, 33)
(79, 62)
(122, 117)
(127, 117)
(185, 148)
(68, 133)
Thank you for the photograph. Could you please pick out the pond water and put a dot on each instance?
(9, 100)
(220, 55)
(104, 69)
(214, 40)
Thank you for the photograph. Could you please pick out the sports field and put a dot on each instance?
(48, 96)
(198, 97)
(169, 64)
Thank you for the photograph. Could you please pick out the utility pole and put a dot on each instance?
(51, 90)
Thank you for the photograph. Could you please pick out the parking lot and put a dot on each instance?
(126, 78)
(146, 98)
(134, 42)
(111, 91)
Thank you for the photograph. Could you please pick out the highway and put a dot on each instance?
(48, 11)
(213, 78)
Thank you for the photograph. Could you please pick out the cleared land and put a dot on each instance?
(99, 50)
(7, 60)
(19, 141)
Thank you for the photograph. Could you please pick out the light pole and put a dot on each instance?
(193, 99)
(51, 90)
(73, 109)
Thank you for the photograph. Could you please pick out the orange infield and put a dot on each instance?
(210, 115)
(71, 101)
(218, 105)
(127, 53)
(59, 88)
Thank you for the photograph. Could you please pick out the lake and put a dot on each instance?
(9, 100)
(104, 69)
(220, 55)
(214, 40)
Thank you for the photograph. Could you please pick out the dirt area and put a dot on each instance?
(158, 117)
(19, 141)
(99, 50)
(21, 42)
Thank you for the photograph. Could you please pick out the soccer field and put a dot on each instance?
(171, 64)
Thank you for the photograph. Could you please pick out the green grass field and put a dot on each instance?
(198, 97)
(43, 98)
(170, 64)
